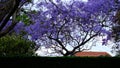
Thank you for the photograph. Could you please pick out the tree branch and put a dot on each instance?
(6, 19)
(84, 42)
(59, 42)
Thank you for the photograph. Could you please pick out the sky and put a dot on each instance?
(99, 47)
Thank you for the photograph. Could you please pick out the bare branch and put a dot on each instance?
(59, 42)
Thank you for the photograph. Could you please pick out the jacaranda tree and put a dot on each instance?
(58, 24)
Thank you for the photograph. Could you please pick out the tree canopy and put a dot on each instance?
(58, 24)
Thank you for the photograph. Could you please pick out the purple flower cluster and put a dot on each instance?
(60, 19)
(52, 17)
(19, 27)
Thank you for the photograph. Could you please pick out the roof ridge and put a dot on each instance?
(91, 53)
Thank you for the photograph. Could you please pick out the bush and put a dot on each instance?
(16, 46)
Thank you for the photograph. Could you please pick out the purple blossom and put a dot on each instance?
(63, 19)
(104, 41)
(58, 1)
(95, 6)
(19, 27)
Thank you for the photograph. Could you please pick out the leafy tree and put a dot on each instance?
(16, 46)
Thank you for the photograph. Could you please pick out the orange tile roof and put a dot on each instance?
(92, 54)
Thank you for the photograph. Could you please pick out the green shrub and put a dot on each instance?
(16, 46)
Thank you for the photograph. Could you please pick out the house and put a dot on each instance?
(92, 54)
